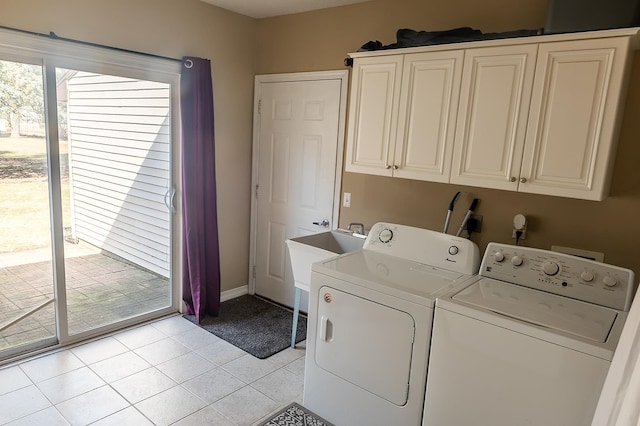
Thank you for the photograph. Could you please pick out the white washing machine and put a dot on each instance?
(370, 316)
(528, 342)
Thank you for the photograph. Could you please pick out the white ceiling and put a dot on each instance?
(268, 8)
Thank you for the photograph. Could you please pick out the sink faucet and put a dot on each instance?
(359, 228)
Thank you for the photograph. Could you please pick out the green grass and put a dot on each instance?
(24, 204)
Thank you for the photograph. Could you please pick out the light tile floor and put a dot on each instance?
(169, 372)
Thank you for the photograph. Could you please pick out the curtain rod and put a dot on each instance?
(54, 36)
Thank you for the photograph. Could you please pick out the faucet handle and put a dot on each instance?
(359, 228)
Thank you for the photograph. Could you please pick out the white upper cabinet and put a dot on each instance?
(373, 114)
(427, 116)
(574, 119)
(402, 115)
(538, 114)
(492, 118)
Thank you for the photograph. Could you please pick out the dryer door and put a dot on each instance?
(365, 343)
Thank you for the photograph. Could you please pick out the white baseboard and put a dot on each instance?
(234, 292)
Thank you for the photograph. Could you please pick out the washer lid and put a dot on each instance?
(391, 275)
(548, 310)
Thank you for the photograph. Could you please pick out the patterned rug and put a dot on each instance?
(255, 325)
(295, 415)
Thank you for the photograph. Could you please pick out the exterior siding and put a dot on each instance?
(119, 147)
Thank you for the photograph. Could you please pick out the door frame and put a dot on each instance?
(343, 76)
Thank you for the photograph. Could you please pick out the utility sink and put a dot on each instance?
(303, 251)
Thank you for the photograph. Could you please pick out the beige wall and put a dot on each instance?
(177, 28)
(320, 40)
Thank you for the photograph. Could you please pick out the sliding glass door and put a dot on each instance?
(88, 199)
(27, 312)
(117, 174)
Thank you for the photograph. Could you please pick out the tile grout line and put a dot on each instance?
(273, 367)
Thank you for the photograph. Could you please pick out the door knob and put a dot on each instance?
(324, 223)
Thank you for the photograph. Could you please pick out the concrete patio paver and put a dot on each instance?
(101, 289)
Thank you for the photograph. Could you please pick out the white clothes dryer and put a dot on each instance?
(527, 342)
(370, 316)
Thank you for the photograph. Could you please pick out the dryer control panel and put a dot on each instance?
(424, 246)
(560, 273)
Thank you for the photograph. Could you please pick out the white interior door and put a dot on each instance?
(298, 145)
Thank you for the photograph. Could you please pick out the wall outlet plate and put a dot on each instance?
(478, 219)
(522, 236)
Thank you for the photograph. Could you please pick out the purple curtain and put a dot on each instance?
(200, 253)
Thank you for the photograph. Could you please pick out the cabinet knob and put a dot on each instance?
(395, 167)
(523, 180)
(388, 167)
(512, 179)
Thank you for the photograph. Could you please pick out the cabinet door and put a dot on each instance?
(427, 116)
(492, 117)
(373, 113)
(573, 126)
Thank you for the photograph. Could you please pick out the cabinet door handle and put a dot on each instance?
(395, 167)
(512, 179)
(387, 167)
(523, 180)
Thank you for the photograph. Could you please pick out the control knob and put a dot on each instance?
(550, 268)
(587, 276)
(453, 250)
(385, 235)
(609, 281)
(516, 260)
(498, 256)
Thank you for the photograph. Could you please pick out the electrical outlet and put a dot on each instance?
(477, 225)
(346, 199)
(522, 236)
(519, 227)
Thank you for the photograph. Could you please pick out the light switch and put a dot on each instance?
(346, 199)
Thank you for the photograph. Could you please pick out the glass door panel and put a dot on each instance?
(102, 182)
(115, 136)
(27, 314)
